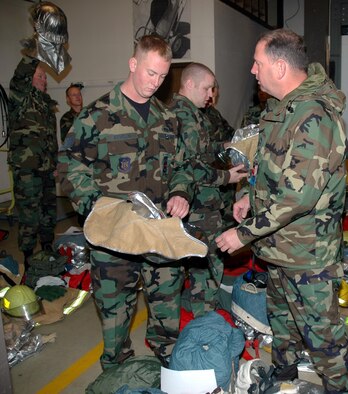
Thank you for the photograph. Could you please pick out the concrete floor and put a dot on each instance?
(72, 362)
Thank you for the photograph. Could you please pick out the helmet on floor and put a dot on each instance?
(20, 301)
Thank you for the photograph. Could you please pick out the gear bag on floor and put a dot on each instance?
(135, 372)
(209, 342)
(44, 263)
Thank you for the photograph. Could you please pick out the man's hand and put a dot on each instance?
(229, 241)
(236, 176)
(178, 207)
(241, 208)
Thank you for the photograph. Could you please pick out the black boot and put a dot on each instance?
(285, 372)
(47, 246)
(27, 255)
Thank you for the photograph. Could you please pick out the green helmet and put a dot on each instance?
(20, 301)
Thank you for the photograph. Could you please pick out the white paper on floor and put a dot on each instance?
(188, 382)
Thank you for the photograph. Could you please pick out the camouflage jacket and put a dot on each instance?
(252, 116)
(298, 199)
(200, 153)
(221, 130)
(33, 138)
(66, 122)
(111, 151)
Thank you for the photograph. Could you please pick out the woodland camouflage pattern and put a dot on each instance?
(316, 318)
(221, 131)
(111, 151)
(298, 199)
(200, 152)
(208, 200)
(112, 274)
(33, 139)
(296, 225)
(252, 116)
(66, 122)
(32, 156)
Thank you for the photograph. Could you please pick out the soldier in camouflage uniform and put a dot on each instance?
(74, 100)
(296, 208)
(221, 131)
(254, 113)
(128, 141)
(33, 155)
(196, 85)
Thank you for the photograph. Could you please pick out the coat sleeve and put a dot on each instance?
(196, 159)
(314, 157)
(20, 88)
(75, 164)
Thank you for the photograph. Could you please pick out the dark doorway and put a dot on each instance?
(172, 82)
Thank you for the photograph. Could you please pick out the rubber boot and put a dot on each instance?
(27, 255)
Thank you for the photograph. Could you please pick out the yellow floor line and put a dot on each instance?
(65, 378)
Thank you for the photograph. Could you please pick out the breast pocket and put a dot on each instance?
(122, 151)
(167, 150)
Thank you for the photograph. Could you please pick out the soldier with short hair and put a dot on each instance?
(74, 100)
(127, 141)
(32, 155)
(296, 206)
(252, 116)
(221, 131)
(197, 82)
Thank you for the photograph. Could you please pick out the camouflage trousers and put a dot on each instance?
(205, 274)
(36, 204)
(115, 279)
(228, 195)
(303, 314)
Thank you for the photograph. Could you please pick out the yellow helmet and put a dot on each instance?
(343, 294)
(20, 301)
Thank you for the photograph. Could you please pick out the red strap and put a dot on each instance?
(255, 344)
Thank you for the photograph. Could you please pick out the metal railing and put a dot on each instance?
(268, 13)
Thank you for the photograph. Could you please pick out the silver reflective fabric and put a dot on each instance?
(50, 22)
(50, 36)
(144, 207)
(235, 155)
(55, 55)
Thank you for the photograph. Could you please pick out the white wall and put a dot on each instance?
(294, 15)
(235, 38)
(101, 42)
(12, 13)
